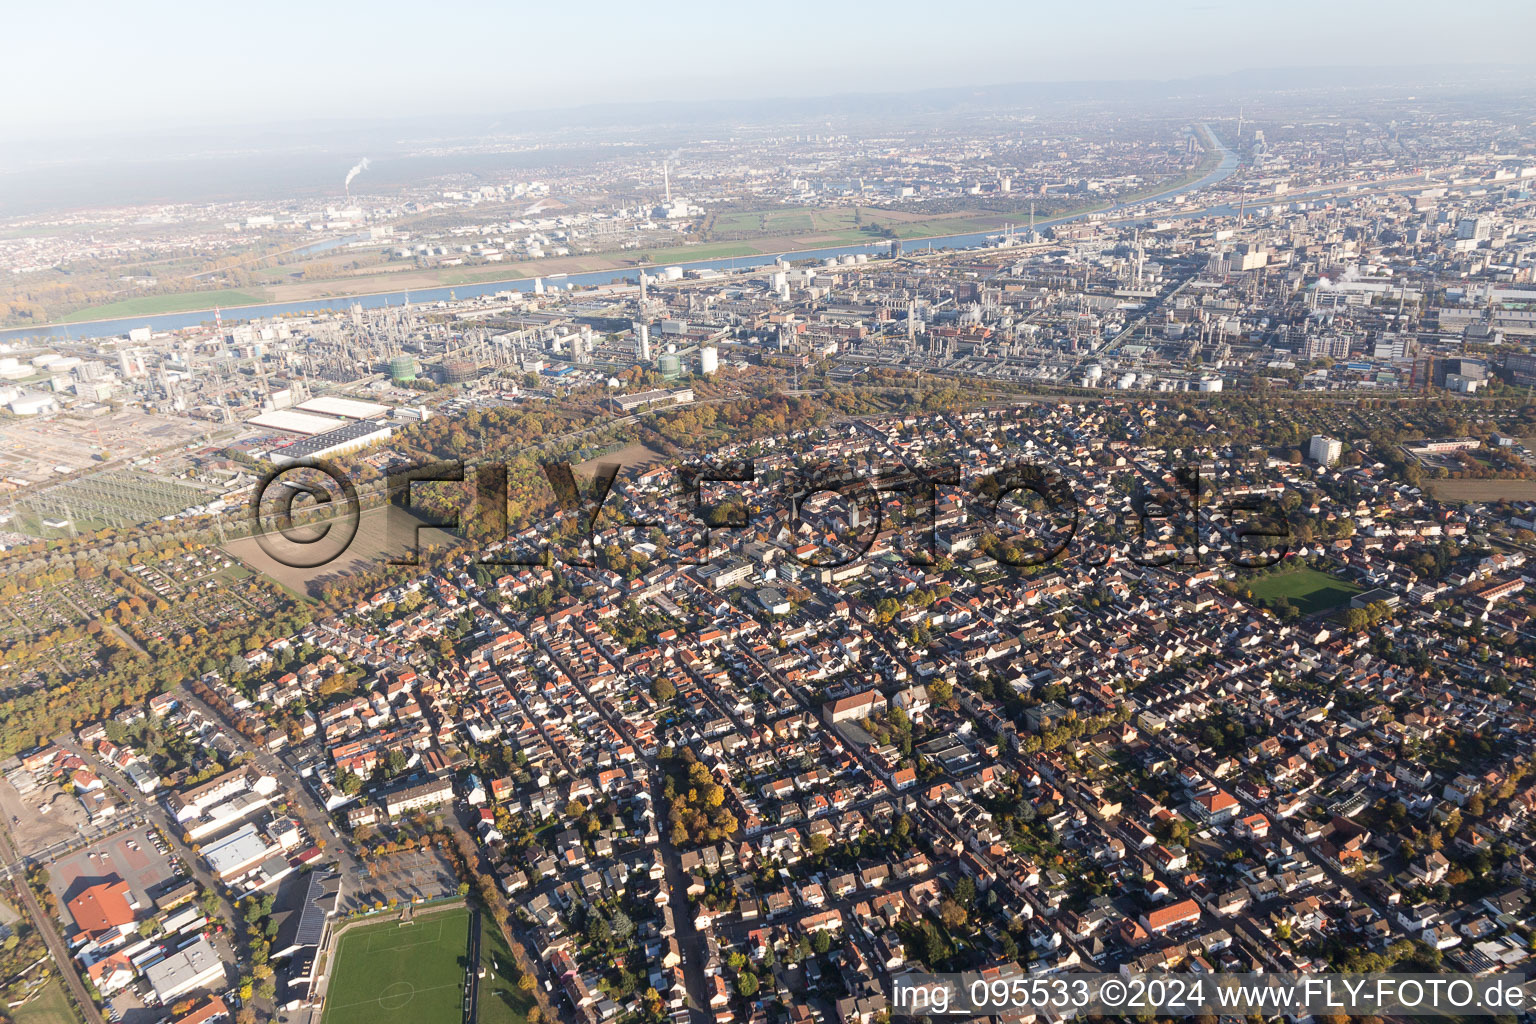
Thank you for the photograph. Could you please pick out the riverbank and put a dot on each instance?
(440, 285)
(410, 278)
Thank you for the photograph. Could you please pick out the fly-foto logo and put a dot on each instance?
(828, 517)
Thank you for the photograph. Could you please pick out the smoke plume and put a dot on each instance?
(358, 168)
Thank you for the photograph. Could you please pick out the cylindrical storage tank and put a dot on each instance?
(709, 360)
(402, 369)
(673, 273)
(671, 365)
(459, 371)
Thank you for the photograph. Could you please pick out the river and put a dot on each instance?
(974, 240)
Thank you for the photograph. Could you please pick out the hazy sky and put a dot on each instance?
(68, 65)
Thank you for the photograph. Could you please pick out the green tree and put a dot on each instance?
(598, 932)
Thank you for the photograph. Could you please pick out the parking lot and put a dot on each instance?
(132, 856)
(130, 1009)
(408, 876)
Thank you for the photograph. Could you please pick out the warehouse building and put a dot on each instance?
(346, 408)
(187, 970)
(295, 422)
(237, 853)
(348, 438)
(629, 403)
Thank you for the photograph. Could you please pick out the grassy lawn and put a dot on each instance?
(956, 225)
(739, 220)
(149, 305)
(479, 275)
(789, 220)
(836, 220)
(51, 1007)
(31, 524)
(1308, 589)
(501, 1001)
(390, 971)
(704, 251)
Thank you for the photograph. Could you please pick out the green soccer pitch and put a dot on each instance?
(394, 971)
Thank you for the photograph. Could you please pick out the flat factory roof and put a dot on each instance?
(295, 422)
(351, 408)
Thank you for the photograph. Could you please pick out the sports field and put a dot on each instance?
(1308, 589)
(412, 972)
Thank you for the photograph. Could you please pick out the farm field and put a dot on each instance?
(1484, 490)
(398, 971)
(383, 533)
(634, 457)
